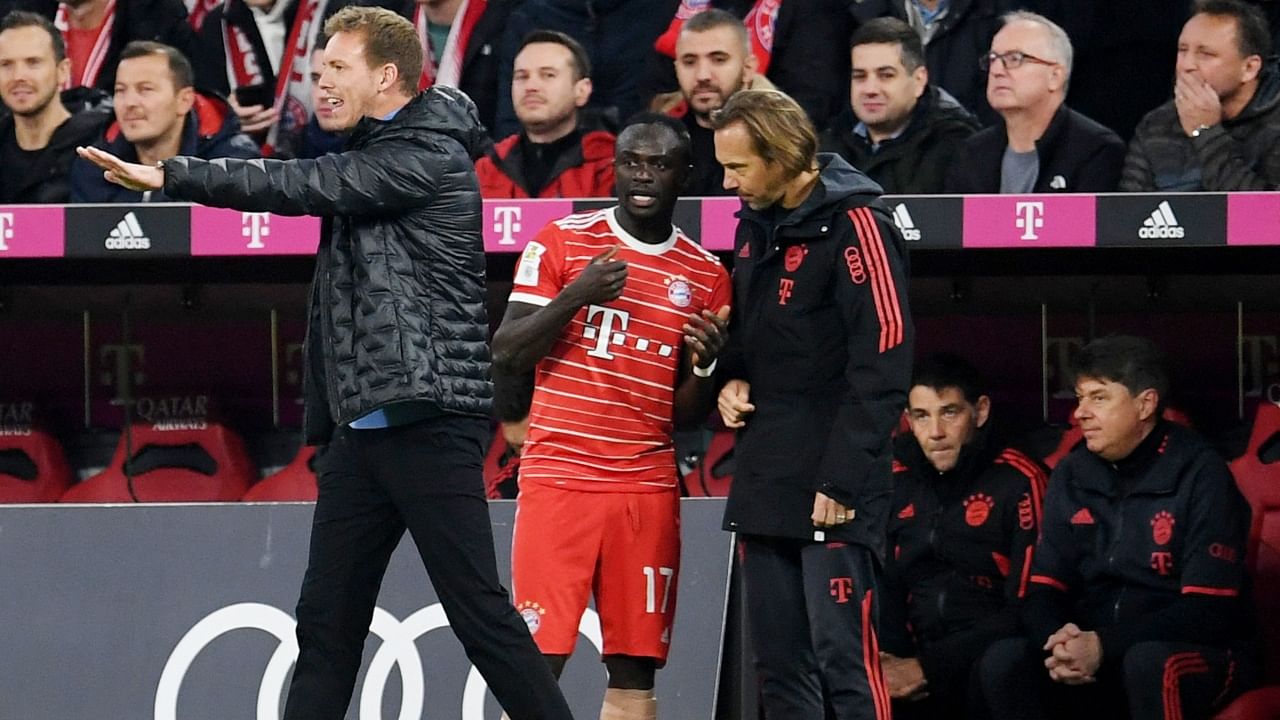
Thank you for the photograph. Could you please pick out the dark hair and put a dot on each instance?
(1253, 35)
(179, 65)
(891, 31)
(780, 130)
(577, 54)
(713, 18)
(22, 18)
(652, 118)
(388, 39)
(942, 370)
(1131, 361)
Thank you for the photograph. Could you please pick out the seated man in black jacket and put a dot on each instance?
(39, 133)
(965, 514)
(1136, 597)
(902, 131)
(1041, 145)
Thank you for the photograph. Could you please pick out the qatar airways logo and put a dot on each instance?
(1030, 218)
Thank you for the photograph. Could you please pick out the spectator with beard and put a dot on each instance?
(39, 135)
(903, 130)
(713, 61)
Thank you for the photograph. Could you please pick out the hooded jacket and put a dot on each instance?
(584, 170)
(211, 130)
(1077, 155)
(48, 179)
(822, 332)
(960, 546)
(397, 307)
(1242, 153)
(915, 162)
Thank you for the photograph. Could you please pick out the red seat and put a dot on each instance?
(293, 482)
(32, 447)
(710, 477)
(231, 471)
(1259, 482)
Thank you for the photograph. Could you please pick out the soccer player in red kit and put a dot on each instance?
(621, 316)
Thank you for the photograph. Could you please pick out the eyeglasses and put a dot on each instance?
(1012, 60)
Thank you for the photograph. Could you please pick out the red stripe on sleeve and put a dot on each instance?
(884, 290)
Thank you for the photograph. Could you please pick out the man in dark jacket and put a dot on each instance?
(902, 131)
(1137, 590)
(40, 132)
(818, 365)
(1221, 131)
(966, 509)
(159, 115)
(955, 34)
(397, 364)
(1042, 145)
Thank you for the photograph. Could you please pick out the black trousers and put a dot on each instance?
(1153, 681)
(811, 611)
(374, 484)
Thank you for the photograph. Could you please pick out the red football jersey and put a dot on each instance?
(603, 399)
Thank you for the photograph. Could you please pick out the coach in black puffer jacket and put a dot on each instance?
(397, 308)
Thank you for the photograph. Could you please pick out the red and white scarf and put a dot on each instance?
(449, 71)
(761, 23)
(199, 11)
(101, 44)
(292, 96)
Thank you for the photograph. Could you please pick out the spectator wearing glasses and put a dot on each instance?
(1041, 145)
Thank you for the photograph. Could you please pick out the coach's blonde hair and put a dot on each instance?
(388, 38)
(780, 130)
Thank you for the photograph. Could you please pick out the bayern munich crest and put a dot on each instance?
(679, 292)
(532, 613)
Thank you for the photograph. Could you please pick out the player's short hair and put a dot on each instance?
(681, 132)
(179, 66)
(780, 130)
(22, 18)
(388, 39)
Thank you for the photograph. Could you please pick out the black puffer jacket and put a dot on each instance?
(397, 306)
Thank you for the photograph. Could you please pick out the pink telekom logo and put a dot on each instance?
(718, 223)
(215, 231)
(509, 225)
(1004, 221)
(32, 232)
(1252, 217)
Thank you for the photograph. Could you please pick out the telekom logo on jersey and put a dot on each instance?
(611, 330)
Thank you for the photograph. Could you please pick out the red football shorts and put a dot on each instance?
(622, 547)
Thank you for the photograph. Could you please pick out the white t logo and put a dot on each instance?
(1030, 218)
(255, 226)
(6, 230)
(506, 220)
(605, 333)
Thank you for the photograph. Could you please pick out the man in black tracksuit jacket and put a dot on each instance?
(1138, 595)
(818, 370)
(965, 515)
